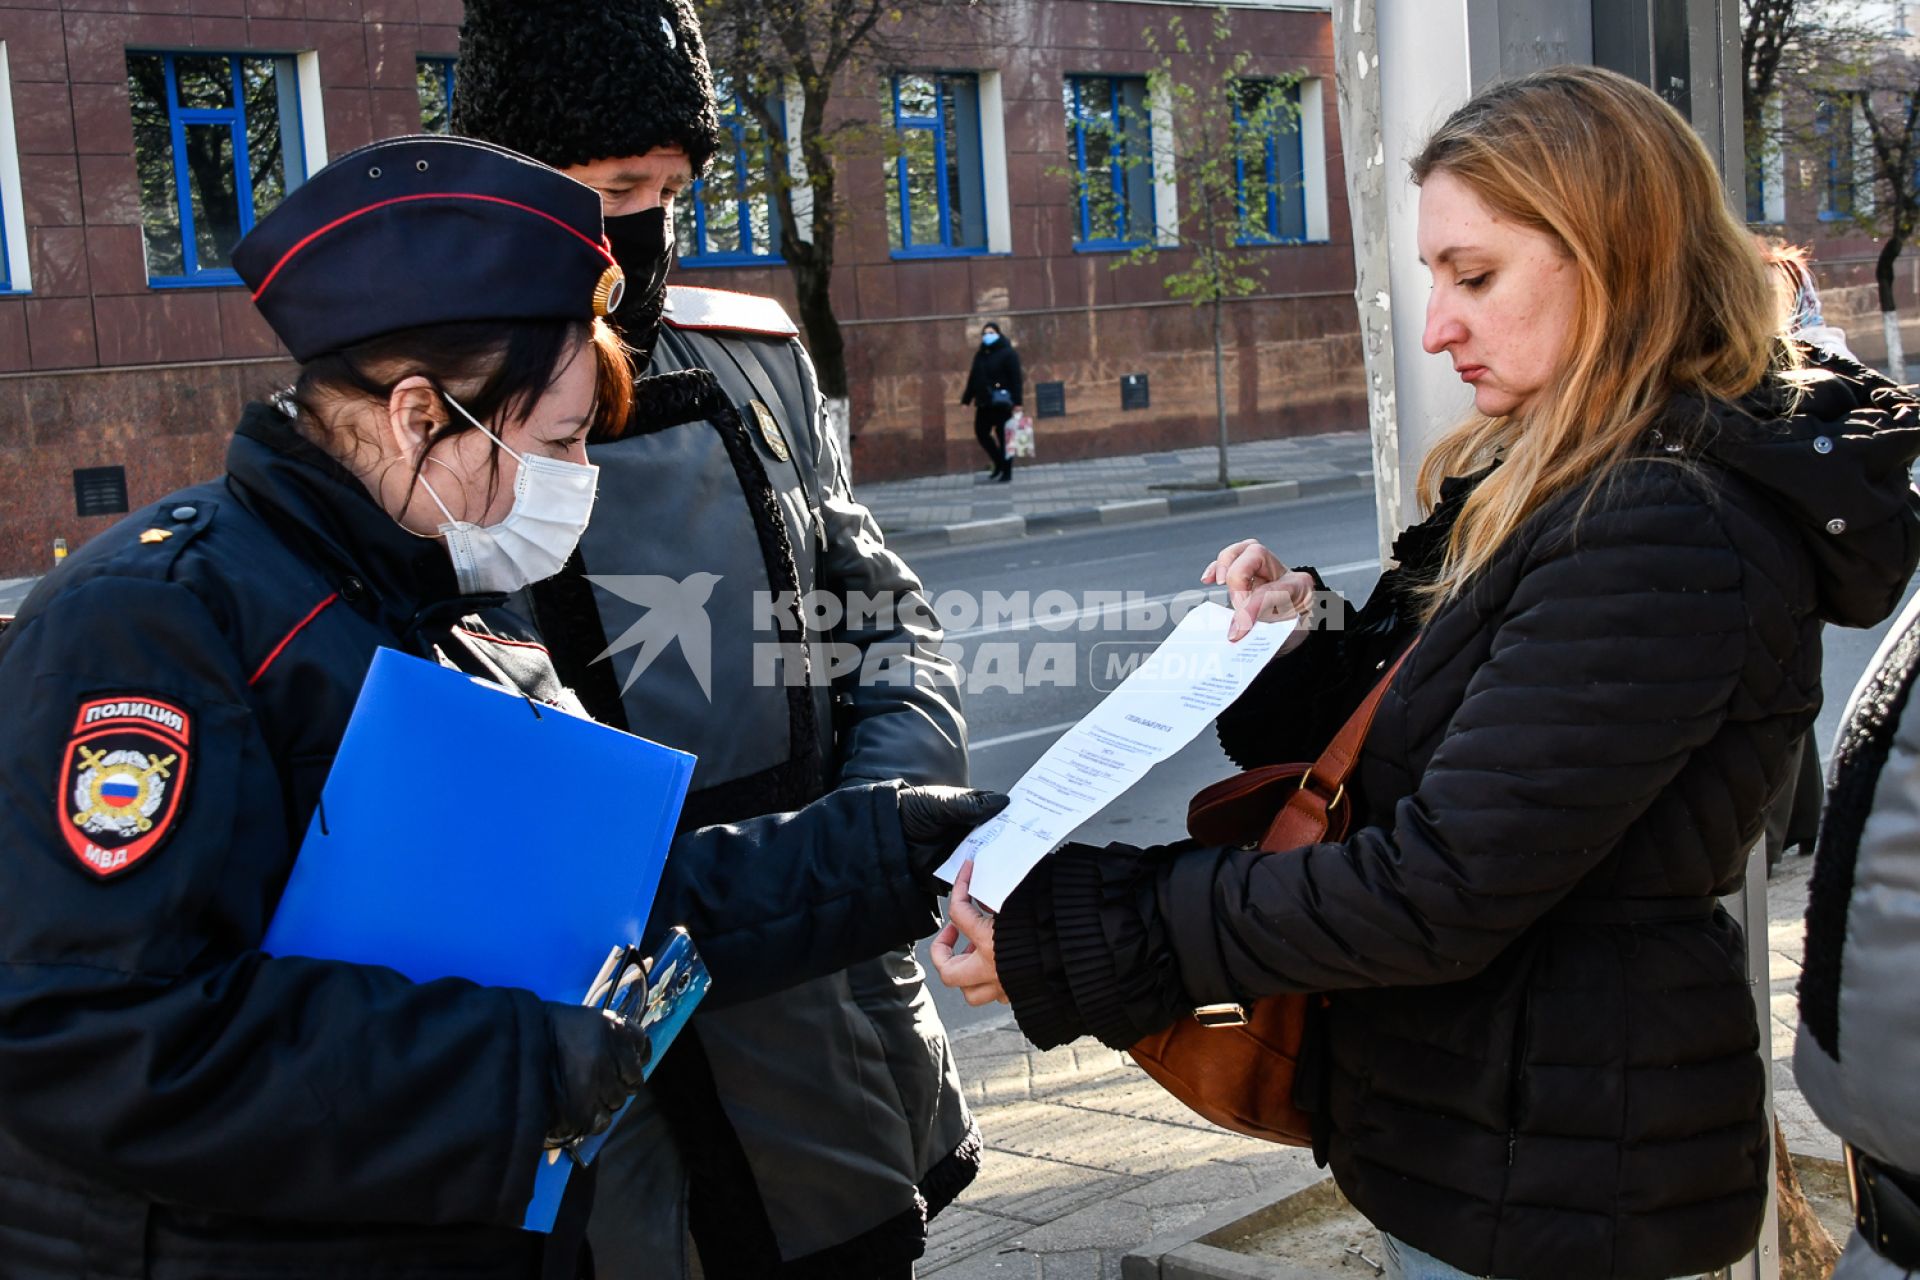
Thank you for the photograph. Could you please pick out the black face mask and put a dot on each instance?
(642, 244)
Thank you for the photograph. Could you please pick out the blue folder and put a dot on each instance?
(468, 832)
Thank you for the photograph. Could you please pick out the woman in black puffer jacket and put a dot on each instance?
(996, 368)
(1540, 1058)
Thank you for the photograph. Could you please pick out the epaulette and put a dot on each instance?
(719, 309)
(166, 530)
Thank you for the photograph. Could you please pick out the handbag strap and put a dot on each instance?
(1306, 816)
(1302, 820)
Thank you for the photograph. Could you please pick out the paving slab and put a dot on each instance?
(1038, 1190)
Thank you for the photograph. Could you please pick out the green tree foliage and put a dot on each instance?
(1230, 152)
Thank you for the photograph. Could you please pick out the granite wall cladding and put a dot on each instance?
(1084, 319)
(163, 392)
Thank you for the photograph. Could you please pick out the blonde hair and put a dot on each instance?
(1673, 297)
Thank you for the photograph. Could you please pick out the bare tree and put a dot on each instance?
(1888, 100)
(815, 50)
(1768, 31)
(1861, 127)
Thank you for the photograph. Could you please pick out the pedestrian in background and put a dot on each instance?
(995, 388)
(1793, 277)
(1857, 1056)
(1539, 1056)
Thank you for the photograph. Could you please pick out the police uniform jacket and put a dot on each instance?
(173, 1102)
(841, 1096)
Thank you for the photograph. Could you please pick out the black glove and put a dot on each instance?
(597, 1063)
(936, 819)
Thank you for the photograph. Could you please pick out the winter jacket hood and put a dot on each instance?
(1830, 448)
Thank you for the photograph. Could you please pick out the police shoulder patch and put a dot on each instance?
(124, 772)
(724, 311)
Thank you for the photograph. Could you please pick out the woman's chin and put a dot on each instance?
(1494, 402)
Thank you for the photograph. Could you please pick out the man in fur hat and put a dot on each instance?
(811, 1134)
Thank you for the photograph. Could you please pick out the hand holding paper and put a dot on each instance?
(1194, 675)
(1259, 587)
(974, 973)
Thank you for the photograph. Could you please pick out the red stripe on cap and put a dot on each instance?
(287, 639)
(598, 247)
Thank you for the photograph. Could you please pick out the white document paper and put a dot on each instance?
(1162, 706)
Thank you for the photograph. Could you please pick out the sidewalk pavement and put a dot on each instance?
(956, 509)
(1087, 1160)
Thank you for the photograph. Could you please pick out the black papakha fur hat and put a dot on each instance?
(570, 81)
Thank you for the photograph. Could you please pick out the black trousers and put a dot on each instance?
(990, 429)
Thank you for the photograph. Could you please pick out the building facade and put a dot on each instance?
(1027, 112)
(1816, 183)
(140, 138)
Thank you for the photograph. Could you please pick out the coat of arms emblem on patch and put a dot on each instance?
(120, 785)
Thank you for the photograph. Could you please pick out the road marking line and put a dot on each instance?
(1022, 736)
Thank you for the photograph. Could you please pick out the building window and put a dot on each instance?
(434, 78)
(1270, 169)
(730, 217)
(1833, 124)
(217, 139)
(1110, 146)
(936, 186)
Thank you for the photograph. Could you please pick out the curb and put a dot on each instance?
(1194, 1252)
(1132, 511)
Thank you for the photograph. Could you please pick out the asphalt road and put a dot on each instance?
(1010, 728)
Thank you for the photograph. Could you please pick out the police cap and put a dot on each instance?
(426, 231)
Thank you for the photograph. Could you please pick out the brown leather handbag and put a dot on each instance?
(1234, 1065)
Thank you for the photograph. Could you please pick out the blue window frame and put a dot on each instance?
(1833, 121)
(730, 218)
(434, 78)
(217, 145)
(936, 185)
(1110, 144)
(1270, 164)
(6, 264)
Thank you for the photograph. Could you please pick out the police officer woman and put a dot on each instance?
(174, 1102)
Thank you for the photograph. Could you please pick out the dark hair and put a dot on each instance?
(514, 363)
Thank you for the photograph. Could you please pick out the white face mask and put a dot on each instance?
(552, 500)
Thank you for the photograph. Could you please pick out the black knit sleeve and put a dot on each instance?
(1082, 949)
